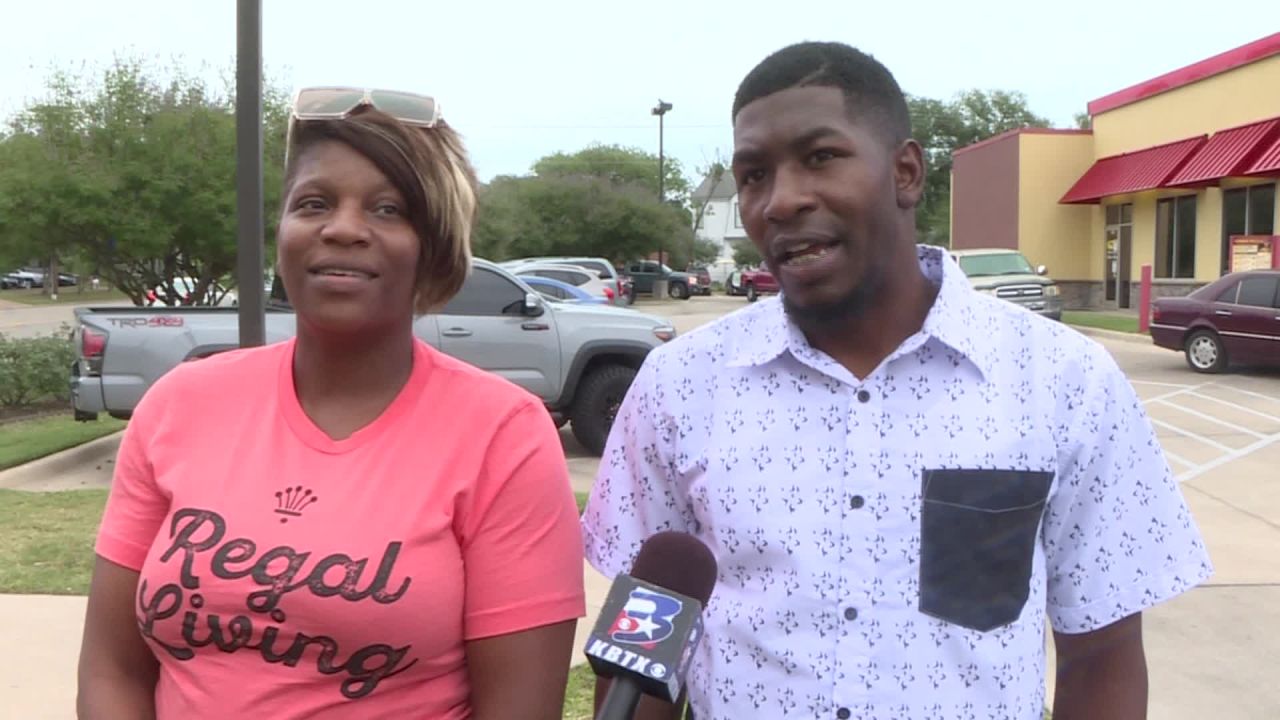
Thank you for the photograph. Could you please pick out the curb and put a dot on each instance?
(1140, 338)
(101, 450)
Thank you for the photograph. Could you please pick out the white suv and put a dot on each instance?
(600, 267)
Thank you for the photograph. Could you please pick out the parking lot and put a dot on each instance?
(1211, 652)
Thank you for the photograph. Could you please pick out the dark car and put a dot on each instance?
(645, 274)
(703, 275)
(1233, 320)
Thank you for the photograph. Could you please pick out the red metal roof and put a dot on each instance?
(1268, 163)
(1227, 153)
(1257, 50)
(1131, 172)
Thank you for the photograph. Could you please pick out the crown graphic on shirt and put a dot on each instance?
(292, 501)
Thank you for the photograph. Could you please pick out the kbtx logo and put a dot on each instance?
(647, 618)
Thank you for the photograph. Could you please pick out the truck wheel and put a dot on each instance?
(752, 295)
(679, 291)
(596, 404)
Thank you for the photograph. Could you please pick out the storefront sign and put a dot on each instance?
(1254, 252)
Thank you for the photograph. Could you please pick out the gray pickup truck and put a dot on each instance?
(1008, 275)
(580, 359)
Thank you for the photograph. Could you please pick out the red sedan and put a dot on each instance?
(1233, 320)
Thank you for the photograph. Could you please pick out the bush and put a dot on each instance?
(35, 369)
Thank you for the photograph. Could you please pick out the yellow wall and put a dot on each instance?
(1209, 234)
(1049, 233)
(1236, 97)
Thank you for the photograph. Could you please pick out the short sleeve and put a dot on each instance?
(136, 506)
(519, 532)
(638, 489)
(1119, 537)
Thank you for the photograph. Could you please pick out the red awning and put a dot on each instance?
(1268, 163)
(1132, 172)
(1228, 153)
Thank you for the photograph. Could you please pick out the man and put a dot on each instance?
(901, 478)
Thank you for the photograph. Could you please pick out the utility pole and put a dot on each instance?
(249, 211)
(661, 110)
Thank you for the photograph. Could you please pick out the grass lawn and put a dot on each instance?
(66, 296)
(28, 440)
(579, 695)
(46, 546)
(1103, 321)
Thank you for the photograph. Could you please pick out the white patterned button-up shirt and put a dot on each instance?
(891, 547)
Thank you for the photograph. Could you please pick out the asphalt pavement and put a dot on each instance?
(18, 320)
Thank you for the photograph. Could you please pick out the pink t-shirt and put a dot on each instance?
(288, 575)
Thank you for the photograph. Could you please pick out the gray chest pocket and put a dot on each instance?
(978, 532)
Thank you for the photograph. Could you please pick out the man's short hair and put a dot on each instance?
(869, 88)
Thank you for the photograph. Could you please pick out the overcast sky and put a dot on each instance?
(523, 79)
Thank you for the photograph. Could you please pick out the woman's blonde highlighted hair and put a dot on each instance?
(431, 170)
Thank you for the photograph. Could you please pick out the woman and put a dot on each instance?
(348, 524)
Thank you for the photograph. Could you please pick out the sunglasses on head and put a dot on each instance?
(337, 103)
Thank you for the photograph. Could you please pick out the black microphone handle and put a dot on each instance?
(621, 700)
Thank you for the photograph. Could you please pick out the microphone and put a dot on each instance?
(651, 623)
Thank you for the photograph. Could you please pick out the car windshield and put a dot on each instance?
(1011, 263)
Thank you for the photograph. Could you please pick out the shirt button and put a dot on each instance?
(856, 502)
(864, 396)
(843, 713)
(850, 613)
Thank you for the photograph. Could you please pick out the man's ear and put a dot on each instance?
(908, 173)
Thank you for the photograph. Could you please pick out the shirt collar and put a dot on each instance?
(952, 320)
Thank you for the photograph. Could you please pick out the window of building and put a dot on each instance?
(1247, 211)
(1176, 237)
(1119, 250)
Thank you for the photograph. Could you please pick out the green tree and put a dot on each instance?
(942, 128)
(49, 188)
(601, 201)
(621, 166)
(135, 176)
(745, 254)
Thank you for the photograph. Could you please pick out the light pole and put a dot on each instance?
(249, 210)
(660, 111)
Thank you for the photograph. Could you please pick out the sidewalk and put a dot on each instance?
(40, 637)
(1210, 652)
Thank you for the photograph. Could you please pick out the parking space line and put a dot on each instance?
(1165, 384)
(1229, 457)
(1194, 436)
(1211, 419)
(1260, 396)
(1241, 408)
(1185, 390)
(1180, 460)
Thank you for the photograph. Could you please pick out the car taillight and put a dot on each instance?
(93, 343)
(608, 292)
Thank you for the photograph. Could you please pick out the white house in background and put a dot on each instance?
(720, 221)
